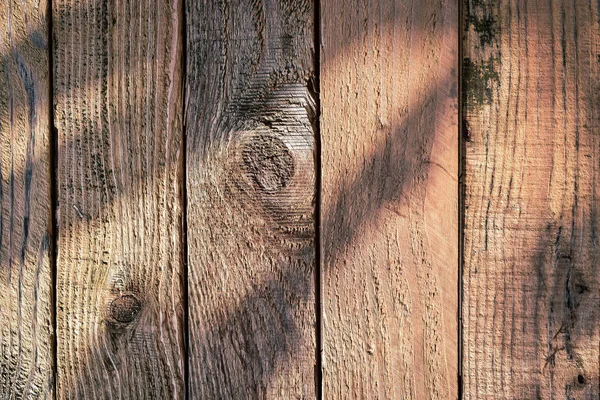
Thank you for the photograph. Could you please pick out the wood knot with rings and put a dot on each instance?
(268, 161)
(271, 174)
(125, 308)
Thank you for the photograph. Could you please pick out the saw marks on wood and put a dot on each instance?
(389, 200)
(117, 71)
(25, 209)
(531, 279)
(251, 192)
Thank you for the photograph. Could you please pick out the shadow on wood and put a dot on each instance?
(112, 164)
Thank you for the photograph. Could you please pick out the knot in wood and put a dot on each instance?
(269, 162)
(125, 308)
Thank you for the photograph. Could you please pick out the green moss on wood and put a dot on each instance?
(486, 27)
(480, 78)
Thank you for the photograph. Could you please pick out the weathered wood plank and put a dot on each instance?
(118, 108)
(25, 269)
(531, 282)
(390, 198)
(251, 190)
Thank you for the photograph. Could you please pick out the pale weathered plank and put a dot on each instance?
(531, 280)
(390, 199)
(117, 70)
(250, 183)
(25, 242)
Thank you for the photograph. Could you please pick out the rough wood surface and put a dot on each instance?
(531, 279)
(390, 199)
(25, 271)
(251, 192)
(117, 70)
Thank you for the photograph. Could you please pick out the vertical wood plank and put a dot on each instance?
(25, 269)
(531, 282)
(251, 193)
(389, 239)
(118, 101)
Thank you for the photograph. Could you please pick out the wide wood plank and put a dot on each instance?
(118, 101)
(25, 241)
(531, 280)
(389, 235)
(251, 193)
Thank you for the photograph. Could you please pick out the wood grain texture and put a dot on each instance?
(389, 235)
(25, 269)
(251, 192)
(531, 280)
(118, 102)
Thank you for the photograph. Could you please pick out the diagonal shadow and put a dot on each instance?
(228, 328)
(549, 314)
(268, 309)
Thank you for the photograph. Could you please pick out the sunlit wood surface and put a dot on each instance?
(250, 126)
(25, 242)
(276, 199)
(118, 118)
(531, 283)
(389, 216)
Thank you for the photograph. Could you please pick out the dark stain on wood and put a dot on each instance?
(466, 131)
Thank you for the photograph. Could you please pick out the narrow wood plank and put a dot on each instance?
(389, 239)
(531, 280)
(25, 208)
(119, 124)
(251, 192)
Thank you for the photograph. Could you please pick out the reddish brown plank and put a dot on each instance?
(531, 282)
(389, 235)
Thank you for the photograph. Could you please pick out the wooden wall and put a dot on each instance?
(273, 199)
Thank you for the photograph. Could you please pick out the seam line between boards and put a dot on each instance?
(318, 189)
(461, 198)
(53, 164)
(184, 206)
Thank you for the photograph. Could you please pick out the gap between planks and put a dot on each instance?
(184, 207)
(316, 93)
(53, 195)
